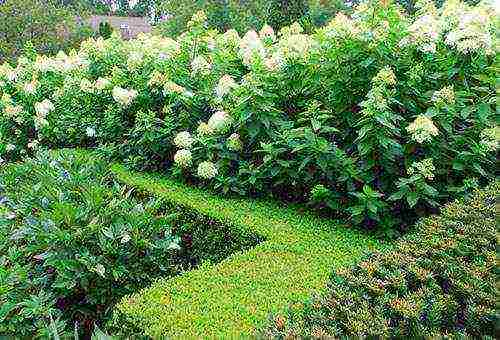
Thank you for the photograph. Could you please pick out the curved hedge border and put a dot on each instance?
(235, 297)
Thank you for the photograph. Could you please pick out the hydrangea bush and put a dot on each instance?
(378, 116)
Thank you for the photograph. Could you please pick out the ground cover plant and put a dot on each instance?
(376, 118)
(234, 297)
(441, 279)
(73, 241)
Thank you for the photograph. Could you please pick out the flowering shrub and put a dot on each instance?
(387, 114)
(73, 241)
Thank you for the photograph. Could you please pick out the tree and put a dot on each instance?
(47, 26)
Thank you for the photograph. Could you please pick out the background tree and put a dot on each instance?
(48, 26)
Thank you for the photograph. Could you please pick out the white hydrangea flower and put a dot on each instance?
(183, 158)
(13, 111)
(171, 87)
(490, 138)
(204, 129)
(200, 65)
(445, 96)
(86, 86)
(234, 142)
(102, 84)
(44, 107)
(30, 87)
(422, 129)
(225, 85)
(183, 140)
(385, 76)
(251, 47)
(425, 168)
(207, 170)
(342, 26)
(220, 121)
(296, 46)
(123, 96)
(157, 79)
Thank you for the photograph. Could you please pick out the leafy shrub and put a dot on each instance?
(385, 115)
(439, 280)
(73, 241)
(48, 27)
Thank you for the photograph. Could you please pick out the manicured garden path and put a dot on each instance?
(235, 297)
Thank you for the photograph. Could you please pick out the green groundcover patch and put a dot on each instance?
(235, 296)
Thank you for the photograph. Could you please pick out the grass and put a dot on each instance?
(235, 296)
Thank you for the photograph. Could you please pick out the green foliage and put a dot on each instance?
(48, 27)
(105, 30)
(439, 280)
(391, 114)
(234, 297)
(73, 241)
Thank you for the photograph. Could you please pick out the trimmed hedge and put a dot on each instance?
(234, 297)
(73, 241)
(439, 280)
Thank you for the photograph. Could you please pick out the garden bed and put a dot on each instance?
(73, 241)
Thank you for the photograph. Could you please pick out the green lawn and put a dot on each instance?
(235, 297)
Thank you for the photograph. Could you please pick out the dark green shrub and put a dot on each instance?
(105, 30)
(439, 280)
(73, 241)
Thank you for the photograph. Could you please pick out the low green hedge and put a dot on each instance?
(73, 241)
(235, 297)
(440, 280)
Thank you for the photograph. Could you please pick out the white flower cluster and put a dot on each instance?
(465, 28)
(225, 85)
(422, 129)
(204, 129)
(296, 46)
(445, 96)
(31, 87)
(123, 96)
(171, 87)
(157, 79)
(183, 140)
(251, 47)
(234, 142)
(471, 32)
(425, 168)
(490, 138)
(424, 33)
(183, 158)
(220, 122)
(42, 109)
(385, 76)
(207, 170)
(102, 84)
(200, 65)
(342, 27)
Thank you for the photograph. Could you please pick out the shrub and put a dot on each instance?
(439, 280)
(48, 27)
(73, 241)
(376, 118)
